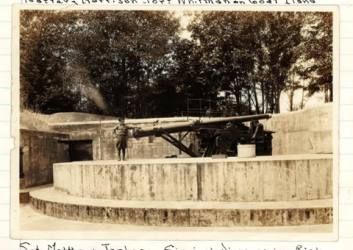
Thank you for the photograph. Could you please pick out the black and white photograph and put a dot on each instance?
(175, 123)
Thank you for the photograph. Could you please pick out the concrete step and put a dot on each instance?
(24, 192)
(32, 220)
(182, 213)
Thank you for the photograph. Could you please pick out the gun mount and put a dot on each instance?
(215, 136)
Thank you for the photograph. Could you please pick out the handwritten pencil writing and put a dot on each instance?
(108, 246)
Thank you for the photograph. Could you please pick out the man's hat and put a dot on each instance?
(121, 119)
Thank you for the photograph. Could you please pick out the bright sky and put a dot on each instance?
(185, 18)
(315, 100)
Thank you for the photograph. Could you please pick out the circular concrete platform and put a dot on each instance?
(259, 179)
(182, 213)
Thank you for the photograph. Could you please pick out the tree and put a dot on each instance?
(106, 58)
(317, 53)
(282, 39)
(238, 47)
(227, 45)
(135, 64)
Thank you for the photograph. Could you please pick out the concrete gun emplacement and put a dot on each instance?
(215, 136)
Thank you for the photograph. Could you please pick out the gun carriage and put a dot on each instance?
(215, 135)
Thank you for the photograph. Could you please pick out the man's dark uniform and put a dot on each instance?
(121, 131)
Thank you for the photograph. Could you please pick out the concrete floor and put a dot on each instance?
(33, 221)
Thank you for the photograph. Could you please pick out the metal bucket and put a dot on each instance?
(246, 151)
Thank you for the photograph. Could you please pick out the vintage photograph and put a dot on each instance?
(176, 120)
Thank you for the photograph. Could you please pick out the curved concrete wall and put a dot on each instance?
(260, 179)
(103, 140)
(307, 131)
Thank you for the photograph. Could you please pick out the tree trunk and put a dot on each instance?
(263, 97)
(278, 93)
(124, 102)
(237, 95)
(256, 101)
(272, 103)
(326, 93)
(249, 100)
(331, 93)
(291, 94)
(291, 97)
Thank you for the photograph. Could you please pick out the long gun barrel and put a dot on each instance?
(192, 125)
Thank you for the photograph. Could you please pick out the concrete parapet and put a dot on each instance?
(103, 140)
(182, 214)
(271, 178)
(307, 131)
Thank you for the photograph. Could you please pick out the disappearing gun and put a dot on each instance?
(215, 135)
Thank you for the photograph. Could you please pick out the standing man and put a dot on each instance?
(121, 131)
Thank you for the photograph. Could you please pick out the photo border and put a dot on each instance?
(192, 233)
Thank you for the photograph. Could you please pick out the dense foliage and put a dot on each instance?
(136, 64)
